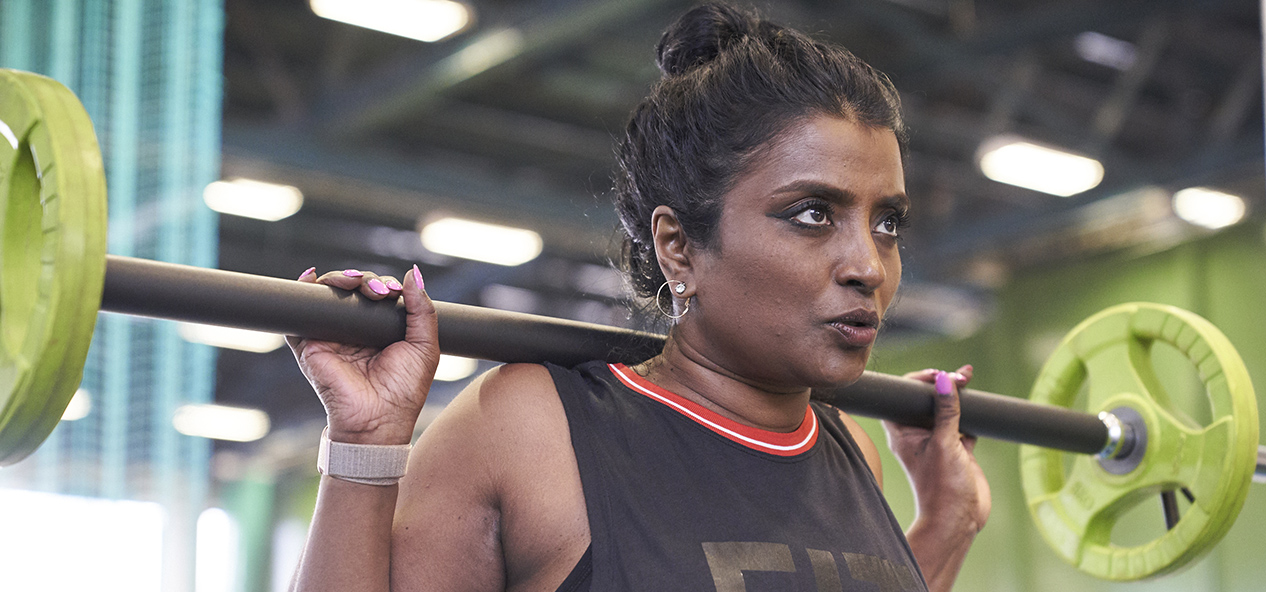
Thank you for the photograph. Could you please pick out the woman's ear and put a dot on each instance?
(672, 248)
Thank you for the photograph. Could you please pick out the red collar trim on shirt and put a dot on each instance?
(779, 443)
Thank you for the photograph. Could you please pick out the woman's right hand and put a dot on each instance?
(374, 396)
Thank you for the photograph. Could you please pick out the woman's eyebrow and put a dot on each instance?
(897, 201)
(818, 188)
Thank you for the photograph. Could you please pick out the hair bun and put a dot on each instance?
(698, 36)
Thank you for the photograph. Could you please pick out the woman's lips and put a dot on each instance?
(857, 327)
(855, 335)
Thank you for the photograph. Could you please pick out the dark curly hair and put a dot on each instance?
(731, 83)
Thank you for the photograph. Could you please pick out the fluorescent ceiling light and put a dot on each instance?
(80, 406)
(1105, 51)
(490, 50)
(453, 368)
(1208, 208)
(230, 338)
(253, 199)
(424, 20)
(1014, 161)
(490, 243)
(219, 422)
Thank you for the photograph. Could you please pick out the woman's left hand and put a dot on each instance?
(952, 499)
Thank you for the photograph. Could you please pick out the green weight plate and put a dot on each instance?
(1076, 508)
(53, 219)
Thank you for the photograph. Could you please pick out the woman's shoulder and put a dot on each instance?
(518, 397)
(534, 376)
(493, 482)
(508, 417)
(512, 376)
(509, 391)
(858, 434)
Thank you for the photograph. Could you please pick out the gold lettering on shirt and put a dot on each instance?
(728, 561)
(889, 576)
(825, 572)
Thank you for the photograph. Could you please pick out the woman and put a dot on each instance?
(761, 189)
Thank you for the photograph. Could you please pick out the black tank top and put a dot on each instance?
(682, 499)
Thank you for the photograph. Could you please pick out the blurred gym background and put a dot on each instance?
(1065, 156)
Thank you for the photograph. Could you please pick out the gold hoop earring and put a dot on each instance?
(678, 288)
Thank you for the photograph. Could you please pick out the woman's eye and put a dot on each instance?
(889, 225)
(813, 216)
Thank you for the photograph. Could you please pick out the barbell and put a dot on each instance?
(1128, 441)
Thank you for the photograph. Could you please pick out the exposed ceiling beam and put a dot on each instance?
(1227, 120)
(270, 69)
(1115, 110)
(932, 50)
(383, 183)
(382, 101)
(527, 132)
(1010, 97)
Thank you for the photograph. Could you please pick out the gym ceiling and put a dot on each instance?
(512, 121)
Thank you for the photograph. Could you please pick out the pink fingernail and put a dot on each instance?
(352, 273)
(944, 385)
(305, 274)
(417, 278)
(394, 285)
(377, 287)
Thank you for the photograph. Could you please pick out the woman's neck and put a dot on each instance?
(689, 373)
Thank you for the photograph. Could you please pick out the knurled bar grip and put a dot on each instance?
(180, 292)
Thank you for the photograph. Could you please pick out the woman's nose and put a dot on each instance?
(860, 265)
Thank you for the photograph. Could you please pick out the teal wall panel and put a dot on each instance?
(149, 75)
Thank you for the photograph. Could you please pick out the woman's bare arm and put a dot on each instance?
(371, 397)
(869, 451)
(349, 542)
(952, 498)
(492, 500)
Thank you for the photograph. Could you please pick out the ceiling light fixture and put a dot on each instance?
(230, 338)
(220, 422)
(1105, 51)
(424, 20)
(490, 243)
(488, 51)
(454, 368)
(1208, 208)
(253, 199)
(1015, 161)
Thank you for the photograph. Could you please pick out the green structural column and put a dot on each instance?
(251, 501)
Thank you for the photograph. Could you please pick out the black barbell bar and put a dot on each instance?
(140, 287)
(155, 289)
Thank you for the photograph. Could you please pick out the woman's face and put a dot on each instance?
(805, 260)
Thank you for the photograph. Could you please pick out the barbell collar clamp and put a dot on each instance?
(1116, 434)
(1131, 444)
(1259, 475)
